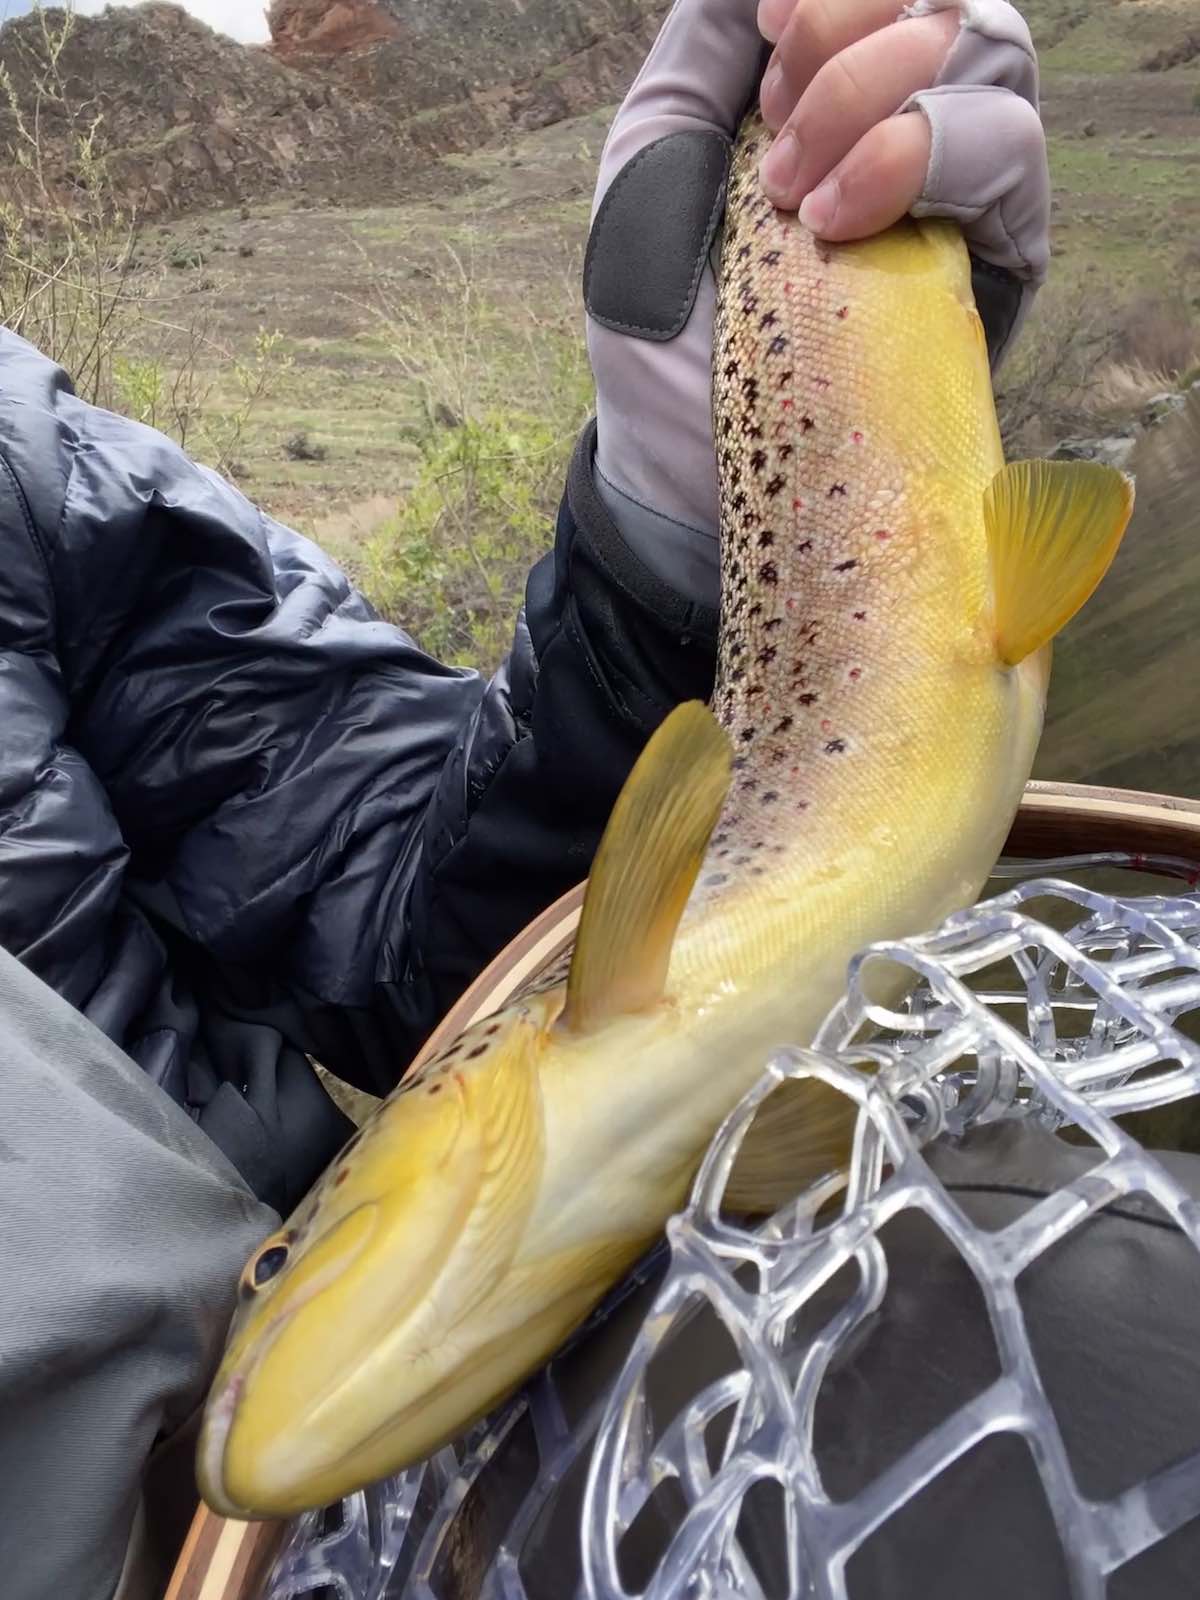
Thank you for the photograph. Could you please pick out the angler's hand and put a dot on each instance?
(840, 93)
(932, 112)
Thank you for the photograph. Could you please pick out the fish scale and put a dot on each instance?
(888, 593)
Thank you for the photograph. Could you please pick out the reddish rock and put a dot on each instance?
(328, 27)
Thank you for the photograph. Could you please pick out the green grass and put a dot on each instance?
(1103, 36)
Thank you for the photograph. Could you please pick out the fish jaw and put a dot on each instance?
(329, 1366)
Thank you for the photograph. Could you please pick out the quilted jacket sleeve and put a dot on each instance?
(241, 817)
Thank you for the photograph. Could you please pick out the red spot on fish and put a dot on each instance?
(827, 726)
(797, 505)
(855, 674)
(787, 288)
(857, 437)
(791, 605)
(883, 535)
(843, 313)
(787, 404)
(821, 383)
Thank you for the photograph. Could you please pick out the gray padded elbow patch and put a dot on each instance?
(652, 235)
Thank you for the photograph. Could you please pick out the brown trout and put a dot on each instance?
(890, 589)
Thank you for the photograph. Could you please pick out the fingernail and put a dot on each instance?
(818, 209)
(772, 18)
(773, 98)
(780, 166)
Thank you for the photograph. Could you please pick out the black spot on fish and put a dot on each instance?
(837, 489)
(766, 539)
(778, 345)
(773, 623)
(774, 486)
(807, 424)
(766, 655)
(835, 747)
(786, 452)
(808, 699)
(746, 735)
(770, 258)
(768, 572)
(785, 725)
(845, 566)
(767, 320)
(758, 460)
(804, 546)
(479, 1050)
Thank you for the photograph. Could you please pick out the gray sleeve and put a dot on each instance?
(124, 1231)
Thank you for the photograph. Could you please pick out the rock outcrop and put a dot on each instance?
(302, 29)
(340, 102)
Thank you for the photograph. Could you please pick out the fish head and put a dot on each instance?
(355, 1318)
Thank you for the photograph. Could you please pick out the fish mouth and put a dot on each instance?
(210, 1451)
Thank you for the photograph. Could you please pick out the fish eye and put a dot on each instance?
(268, 1265)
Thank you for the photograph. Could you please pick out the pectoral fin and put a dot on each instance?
(645, 869)
(802, 1132)
(1053, 528)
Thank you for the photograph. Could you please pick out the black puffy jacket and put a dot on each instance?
(241, 819)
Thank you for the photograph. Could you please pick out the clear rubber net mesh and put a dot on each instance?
(635, 1467)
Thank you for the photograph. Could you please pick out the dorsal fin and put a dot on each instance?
(645, 869)
(1053, 528)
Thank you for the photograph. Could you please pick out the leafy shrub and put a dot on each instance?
(501, 393)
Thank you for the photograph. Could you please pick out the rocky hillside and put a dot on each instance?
(343, 104)
(454, 72)
(186, 116)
